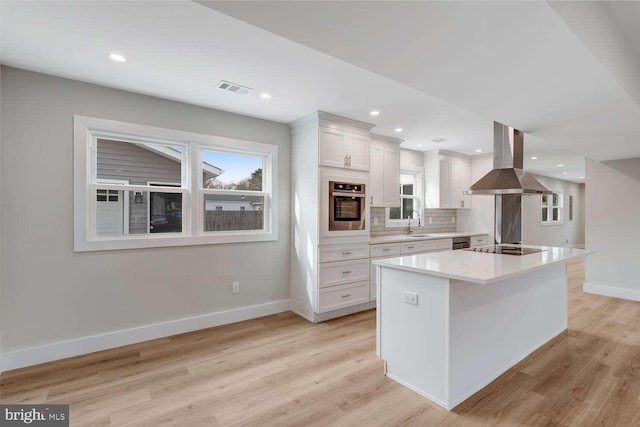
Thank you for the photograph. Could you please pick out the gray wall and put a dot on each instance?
(50, 293)
(613, 227)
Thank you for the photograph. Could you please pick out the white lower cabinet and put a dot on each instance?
(343, 276)
(336, 297)
(479, 241)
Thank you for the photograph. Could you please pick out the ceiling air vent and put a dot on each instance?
(234, 87)
(439, 140)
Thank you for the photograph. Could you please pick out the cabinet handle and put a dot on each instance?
(386, 250)
(371, 199)
(411, 247)
(346, 295)
(349, 160)
(346, 253)
(462, 203)
(346, 272)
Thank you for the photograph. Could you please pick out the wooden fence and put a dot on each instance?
(233, 220)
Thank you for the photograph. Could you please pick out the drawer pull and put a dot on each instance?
(346, 253)
(411, 247)
(346, 295)
(386, 249)
(346, 272)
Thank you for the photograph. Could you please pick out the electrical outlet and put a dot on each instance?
(375, 220)
(410, 297)
(430, 220)
(453, 220)
(235, 288)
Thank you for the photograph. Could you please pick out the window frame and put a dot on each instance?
(550, 207)
(87, 130)
(395, 223)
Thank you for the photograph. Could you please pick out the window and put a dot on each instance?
(551, 209)
(410, 201)
(138, 186)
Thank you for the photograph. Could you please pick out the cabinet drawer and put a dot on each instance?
(332, 253)
(387, 249)
(338, 273)
(426, 246)
(343, 296)
(479, 241)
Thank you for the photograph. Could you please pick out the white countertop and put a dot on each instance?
(399, 238)
(478, 267)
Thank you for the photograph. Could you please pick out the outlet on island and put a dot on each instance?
(235, 287)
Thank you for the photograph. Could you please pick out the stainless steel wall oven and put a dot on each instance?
(346, 206)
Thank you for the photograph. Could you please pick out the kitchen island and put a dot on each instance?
(449, 323)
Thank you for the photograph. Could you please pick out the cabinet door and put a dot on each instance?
(391, 182)
(358, 150)
(376, 175)
(445, 184)
(332, 147)
(460, 181)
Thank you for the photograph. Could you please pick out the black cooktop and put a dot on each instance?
(505, 250)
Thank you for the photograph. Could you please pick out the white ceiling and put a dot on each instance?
(441, 69)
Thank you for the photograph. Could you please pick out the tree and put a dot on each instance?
(253, 183)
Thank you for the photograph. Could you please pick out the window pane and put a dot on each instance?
(231, 171)
(407, 208)
(556, 214)
(394, 213)
(407, 183)
(555, 199)
(165, 212)
(138, 163)
(545, 214)
(227, 212)
(544, 200)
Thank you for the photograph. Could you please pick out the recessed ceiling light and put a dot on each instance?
(117, 57)
(439, 140)
(398, 129)
(581, 177)
(564, 173)
(375, 113)
(534, 158)
(265, 96)
(479, 150)
(560, 165)
(419, 145)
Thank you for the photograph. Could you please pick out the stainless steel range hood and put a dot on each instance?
(507, 176)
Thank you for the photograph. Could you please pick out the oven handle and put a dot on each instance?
(338, 194)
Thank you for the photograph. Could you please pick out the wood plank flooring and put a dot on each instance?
(283, 371)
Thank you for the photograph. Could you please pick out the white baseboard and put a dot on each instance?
(61, 350)
(611, 291)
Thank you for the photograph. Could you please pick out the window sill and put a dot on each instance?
(145, 241)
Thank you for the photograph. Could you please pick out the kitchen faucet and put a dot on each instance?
(409, 231)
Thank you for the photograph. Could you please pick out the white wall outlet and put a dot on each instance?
(453, 220)
(430, 220)
(375, 220)
(235, 288)
(410, 297)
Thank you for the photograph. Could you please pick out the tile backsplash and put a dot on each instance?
(440, 222)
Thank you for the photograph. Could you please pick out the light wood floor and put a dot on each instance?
(281, 370)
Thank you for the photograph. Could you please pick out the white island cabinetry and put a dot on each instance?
(449, 323)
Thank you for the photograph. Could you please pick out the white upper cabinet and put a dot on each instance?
(342, 149)
(384, 176)
(447, 176)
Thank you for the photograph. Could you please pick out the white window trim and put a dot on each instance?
(550, 222)
(86, 130)
(397, 223)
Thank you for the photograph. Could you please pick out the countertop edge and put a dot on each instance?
(385, 263)
(402, 238)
